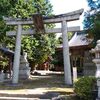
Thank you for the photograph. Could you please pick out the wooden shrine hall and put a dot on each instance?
(79, 47)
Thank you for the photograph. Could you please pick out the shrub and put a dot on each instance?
(3, 60)
(84, 87)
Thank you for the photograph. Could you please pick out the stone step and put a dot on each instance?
(17, 98)
(19, 95)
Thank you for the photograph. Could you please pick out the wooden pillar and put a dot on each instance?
(17, 56)
(66, 58)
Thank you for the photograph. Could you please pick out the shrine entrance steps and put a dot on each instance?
(15, 96)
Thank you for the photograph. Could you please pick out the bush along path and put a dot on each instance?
(85, 88)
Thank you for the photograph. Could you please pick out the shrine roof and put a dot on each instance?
(7, 51)
(79, 39)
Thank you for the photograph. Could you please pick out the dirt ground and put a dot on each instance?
(46, 85)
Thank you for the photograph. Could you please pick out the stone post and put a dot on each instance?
(74, 74)
(1, 76)
(67, 68)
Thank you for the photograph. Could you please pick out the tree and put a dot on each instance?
(38, 46)
(60, 40)
(5, 6)
(92, 20)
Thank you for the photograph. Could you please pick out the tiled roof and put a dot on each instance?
(79, 40)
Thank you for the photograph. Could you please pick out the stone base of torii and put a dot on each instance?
(63, 19)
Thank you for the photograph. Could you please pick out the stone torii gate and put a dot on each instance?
(63, 19)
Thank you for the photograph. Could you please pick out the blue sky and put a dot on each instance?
(64, 6)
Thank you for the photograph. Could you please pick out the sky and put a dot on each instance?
(65, 6)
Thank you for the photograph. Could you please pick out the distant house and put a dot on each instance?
(80, 56)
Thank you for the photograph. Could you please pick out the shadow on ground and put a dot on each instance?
(37, 81)
(41, 86)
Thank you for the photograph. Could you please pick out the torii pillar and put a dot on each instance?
(17, 55)
(67, 68)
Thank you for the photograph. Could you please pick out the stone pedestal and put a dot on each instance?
(98, 84)
(1, 76)
(98, 70)
(97, 62)
(24, 69)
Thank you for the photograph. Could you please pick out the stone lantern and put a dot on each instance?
(96, 60)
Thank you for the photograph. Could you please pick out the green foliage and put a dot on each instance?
(92, 20)
(22, 9)
(5, 6)
(84, 87)
(3, 60)
(60, 40)
(43, 7)
(38, 46)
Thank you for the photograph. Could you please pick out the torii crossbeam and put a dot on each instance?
(63, 19)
